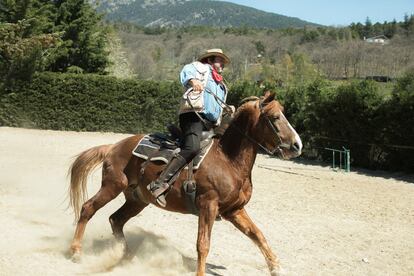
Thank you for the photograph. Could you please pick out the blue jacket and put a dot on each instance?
(212, 107)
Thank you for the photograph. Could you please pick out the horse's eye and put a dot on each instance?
(275, 117)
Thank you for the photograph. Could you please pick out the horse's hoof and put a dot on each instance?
(278, 272)
(76, 257)
(128, 255)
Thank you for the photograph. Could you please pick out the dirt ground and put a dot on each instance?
(319, 222)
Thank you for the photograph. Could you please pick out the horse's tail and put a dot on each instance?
(79, 170)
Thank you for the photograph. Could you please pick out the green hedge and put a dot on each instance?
(378, 130)
(356, 115)
(90, 103)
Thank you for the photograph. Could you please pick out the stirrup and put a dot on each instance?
(159, 191)
(161, 200)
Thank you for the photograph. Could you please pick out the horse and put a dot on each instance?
(224, 178)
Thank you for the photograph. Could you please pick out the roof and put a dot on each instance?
(378, 36)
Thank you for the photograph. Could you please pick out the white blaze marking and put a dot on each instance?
(297, 138)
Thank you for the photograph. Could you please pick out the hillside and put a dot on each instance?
(283, 56)
(174, 13)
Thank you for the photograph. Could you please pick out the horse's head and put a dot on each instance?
(278, 136)
(273, 132)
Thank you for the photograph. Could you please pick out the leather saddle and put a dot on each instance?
(162, 146)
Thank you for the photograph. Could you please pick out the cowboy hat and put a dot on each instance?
(214, 53)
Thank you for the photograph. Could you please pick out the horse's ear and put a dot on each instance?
(268, 97)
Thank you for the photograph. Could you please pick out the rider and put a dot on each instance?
(203, 76)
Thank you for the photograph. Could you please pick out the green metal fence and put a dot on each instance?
(344, 158)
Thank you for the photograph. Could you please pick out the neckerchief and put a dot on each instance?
(216, 76)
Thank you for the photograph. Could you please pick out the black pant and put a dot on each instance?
(192, 128)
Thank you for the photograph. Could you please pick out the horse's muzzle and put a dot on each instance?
(296, 148)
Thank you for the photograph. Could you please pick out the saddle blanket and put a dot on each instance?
(157, 147)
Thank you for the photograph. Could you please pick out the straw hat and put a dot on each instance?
(214, 53)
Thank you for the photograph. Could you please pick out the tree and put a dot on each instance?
(309, 36)
(12, 11)
(39, 13)
(287, 68)
(79, 26)
(358, 29)
(408, 24)
(21, 55)
(84, 37)
(367, 28)
(260, 48)
(390, 29)
(26, 38)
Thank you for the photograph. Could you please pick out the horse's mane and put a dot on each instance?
(230, 140)
(248, 99)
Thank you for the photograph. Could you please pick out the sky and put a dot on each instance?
(334, 12)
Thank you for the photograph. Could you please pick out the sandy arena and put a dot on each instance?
(317, 221)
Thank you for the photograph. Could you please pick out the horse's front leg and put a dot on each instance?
(208, 213)
(242, 221)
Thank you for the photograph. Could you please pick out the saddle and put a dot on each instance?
(162, 147)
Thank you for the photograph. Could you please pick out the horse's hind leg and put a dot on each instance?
(130, 209)
(113, 183)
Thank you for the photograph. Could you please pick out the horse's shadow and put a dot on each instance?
(138, 242)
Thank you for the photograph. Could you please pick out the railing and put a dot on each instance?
(344, 159)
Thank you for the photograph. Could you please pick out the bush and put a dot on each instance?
(348, 117)
(354, 115)
(90, 103)
(398, 117)
(241, 90)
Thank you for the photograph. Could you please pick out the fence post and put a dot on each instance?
(348, 160)
(345, 163)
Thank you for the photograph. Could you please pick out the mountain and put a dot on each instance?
(175, 13)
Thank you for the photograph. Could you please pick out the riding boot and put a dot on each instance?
(159, 187)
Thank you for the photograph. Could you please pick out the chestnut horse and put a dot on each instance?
(224, 179)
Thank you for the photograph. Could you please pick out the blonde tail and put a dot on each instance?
(79, 170)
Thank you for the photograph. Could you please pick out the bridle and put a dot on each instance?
(273, 128)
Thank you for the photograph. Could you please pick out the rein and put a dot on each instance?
(205, 123)
(271, 125)
(273, 128)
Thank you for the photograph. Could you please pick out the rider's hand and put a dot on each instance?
(230, 109)
(196, 85)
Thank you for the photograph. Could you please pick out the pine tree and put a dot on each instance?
(79, 26)
(390, 29)
(21, 55)
(43, 14)
(37, 13)
(84, 37)
(25, 37)
(410, 25)
(358, 29)
(367, 28)
(12, 11)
